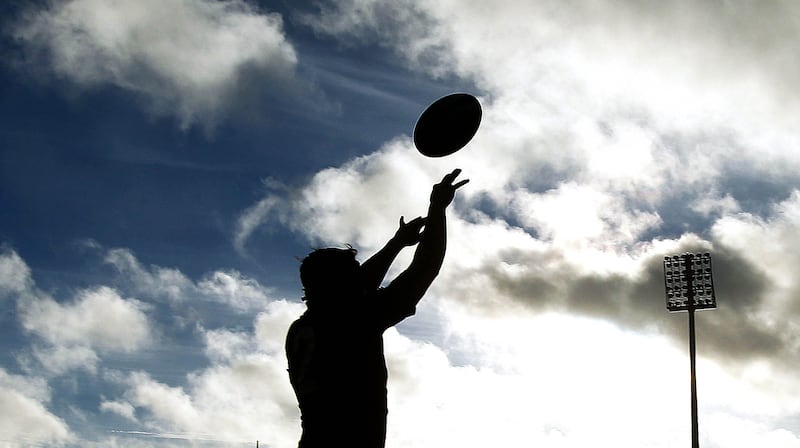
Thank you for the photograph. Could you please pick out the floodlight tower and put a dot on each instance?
(690, 286)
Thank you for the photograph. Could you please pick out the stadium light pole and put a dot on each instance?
(690, 286)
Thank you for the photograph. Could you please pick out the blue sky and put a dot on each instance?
(164, 163)
(166, 186)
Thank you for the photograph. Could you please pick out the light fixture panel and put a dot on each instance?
(678, 271)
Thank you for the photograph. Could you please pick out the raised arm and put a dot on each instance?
(428, 258)
(374, 269)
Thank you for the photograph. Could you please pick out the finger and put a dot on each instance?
(418, 221)
(450, 177)
(460, 184)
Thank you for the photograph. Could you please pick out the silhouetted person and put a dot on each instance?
(335, 349)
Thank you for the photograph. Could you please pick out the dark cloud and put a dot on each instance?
(736, 332)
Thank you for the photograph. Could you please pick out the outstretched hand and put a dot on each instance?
(444, 192)
(408, 234)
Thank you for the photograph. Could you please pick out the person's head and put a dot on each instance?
(330, 273)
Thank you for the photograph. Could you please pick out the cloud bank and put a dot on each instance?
(24, 418)
(613, 135)
(242, 395)
(606, 144)
(193, 60)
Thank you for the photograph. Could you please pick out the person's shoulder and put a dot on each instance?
(300, 327)
(300, 337)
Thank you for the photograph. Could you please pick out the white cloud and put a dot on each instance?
(563, 381)
(224, 345)
(229, 287)
(268, 336)
(24, 419)
(544, 379)
(152, 281)
(347, 204)
(673, 71)
(71, 333)
(122, 408)
(97, 319)
(576, 214)
(732, 431)
(272, 324)
(189, 59)
(250, 220)
(15, 275)
(714, 205)
(243, 396)
(236, 290)
(60, 359)
(360, 20)
(99, 316)
(543, 394)
(33, 387)
(769, 243)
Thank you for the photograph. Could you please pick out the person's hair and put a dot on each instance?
(325, 267)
